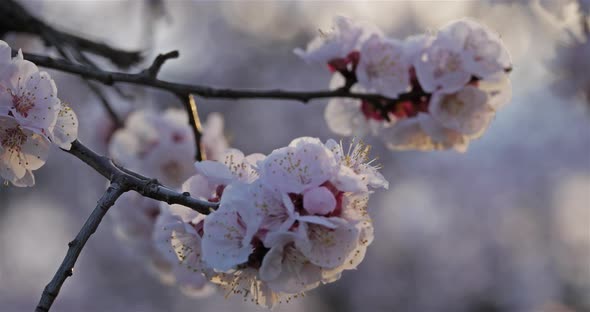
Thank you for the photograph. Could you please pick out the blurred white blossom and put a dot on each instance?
(443, 89)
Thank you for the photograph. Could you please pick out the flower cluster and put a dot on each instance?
(162, 146)
(439, 91)
(286, 222)
(31, 117)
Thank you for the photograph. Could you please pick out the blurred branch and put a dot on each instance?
(66, 269)
(118, 122)
(144, 78)
(15, 18)
(193, 115)
(122, 180)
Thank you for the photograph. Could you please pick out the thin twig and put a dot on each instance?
(75, 247)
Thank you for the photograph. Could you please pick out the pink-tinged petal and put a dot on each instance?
(241, 169)
(178, 242)
(375, 178)
(34, 151)
(272, 264)
(229, 230)
(13, 165)
(245, 283)
(23, 71)
(222, 243)
(215, 172)
(199, 186)
(349, 181)
(304, 164)
(166, 224)
(66, 128)
(441, 66)
(354, 208)
(297, 274)
(27, 180)
(332, 44)
(465, 111)
(484, 49)
(319, 201)
(286, 269)
(407, 134)
(270, 205)
(383, 67)
(254, 159)
(443, 138)
(328, 248)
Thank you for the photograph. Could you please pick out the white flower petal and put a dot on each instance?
(327, 247)
(65, 130)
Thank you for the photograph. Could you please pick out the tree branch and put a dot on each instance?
(122, 180)
(75, 247)
(133, 181)
(14, 17)
(145, 79)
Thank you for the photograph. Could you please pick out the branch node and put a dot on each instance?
(154, 69)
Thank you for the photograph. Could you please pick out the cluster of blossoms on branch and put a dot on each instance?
(286, 222)
(31, 118)
(296, 218)
(162, 146)
(441, 90)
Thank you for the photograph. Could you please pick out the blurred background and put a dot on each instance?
(503, 227)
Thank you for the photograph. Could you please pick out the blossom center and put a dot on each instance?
(13, 138)
(23, 103)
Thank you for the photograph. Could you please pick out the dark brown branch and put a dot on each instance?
(75, 247)
(122, 180)
(154, 69)
(141, 78)
(15, 18)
